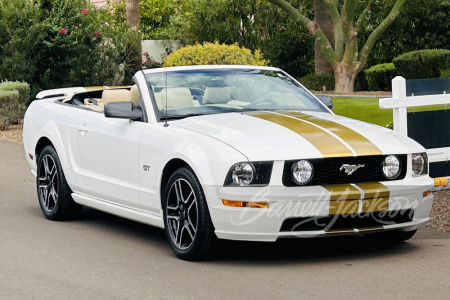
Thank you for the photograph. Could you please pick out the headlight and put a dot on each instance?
(419, 164)
(302, 172)
(249, 174)
(391, 167)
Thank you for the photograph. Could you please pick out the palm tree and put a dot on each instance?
(132, 14)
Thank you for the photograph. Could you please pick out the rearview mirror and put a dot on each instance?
(326, 100)
(122, 110)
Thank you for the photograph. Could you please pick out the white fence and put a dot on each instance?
(399, 104)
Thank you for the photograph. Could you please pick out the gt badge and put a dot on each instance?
(350, 169)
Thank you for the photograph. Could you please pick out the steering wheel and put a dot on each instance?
(261, 101)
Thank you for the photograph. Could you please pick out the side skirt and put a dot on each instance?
(118, 210)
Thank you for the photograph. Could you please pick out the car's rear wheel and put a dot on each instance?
(53, 191)
(392, 236)
(187, 221)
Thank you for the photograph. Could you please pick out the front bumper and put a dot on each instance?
(305, 204)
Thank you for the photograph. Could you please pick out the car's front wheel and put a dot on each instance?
(53, 191)
(187, 221)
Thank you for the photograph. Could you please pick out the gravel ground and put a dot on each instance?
(14, 134)
(440, 213)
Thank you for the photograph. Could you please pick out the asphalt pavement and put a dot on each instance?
(100, 256)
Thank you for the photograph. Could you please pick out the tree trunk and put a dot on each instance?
(344, 79)
(132, 14)
(323, 19)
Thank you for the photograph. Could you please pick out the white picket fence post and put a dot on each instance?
(400, 115)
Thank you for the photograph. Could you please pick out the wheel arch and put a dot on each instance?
(41, 144)
(50, 135)
(170, 167)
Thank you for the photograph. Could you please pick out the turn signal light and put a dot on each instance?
(426, 193)
(251, 204)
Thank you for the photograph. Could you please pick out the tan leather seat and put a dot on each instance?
(114, 95)
(133, 95)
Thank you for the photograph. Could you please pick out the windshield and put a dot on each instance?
(180, 94)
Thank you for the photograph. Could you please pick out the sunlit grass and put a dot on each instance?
(364, 109)
(368, 110)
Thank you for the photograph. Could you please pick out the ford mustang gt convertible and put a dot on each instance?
(214, 153)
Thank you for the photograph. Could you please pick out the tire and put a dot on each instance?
(187, 221)
(54, 193)
(391, 237)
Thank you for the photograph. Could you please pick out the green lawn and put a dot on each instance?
(364, 109)
(367, 109)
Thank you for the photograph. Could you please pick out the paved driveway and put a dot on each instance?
(105, 257)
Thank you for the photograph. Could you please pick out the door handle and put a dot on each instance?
(82, 128)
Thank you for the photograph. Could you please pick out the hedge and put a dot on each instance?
(422, 63)
(214, 54)
(14, 98)
(316, 82)
(9, 112)
(379, 77)
(445, 73)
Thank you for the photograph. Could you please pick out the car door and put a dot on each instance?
(108, 156)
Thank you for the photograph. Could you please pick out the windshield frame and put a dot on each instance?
(160, 116)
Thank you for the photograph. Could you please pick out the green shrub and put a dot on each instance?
(316, 82)
(422, 63)
(214, 54)
(54, 43)
(445, 73)
(22, 87)
(379, 77)
(9, 108)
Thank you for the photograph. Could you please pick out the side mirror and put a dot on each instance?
(326, 100)
(122, 110)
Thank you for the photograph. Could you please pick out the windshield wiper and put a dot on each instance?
(178, 117)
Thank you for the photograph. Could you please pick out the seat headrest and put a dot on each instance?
(177, 98)
(133, 95)
(115, 95)
(217, 95)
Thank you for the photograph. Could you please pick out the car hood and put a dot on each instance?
(284, 135)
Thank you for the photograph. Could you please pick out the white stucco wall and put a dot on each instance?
(157, 49)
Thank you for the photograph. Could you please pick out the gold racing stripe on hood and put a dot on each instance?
(326, 143)
(359, 143)
(376, 197)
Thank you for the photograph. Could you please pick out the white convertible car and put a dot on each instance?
(223, 152)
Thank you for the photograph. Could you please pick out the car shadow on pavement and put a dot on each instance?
(122, 226)
(284, 251)
(312, 250)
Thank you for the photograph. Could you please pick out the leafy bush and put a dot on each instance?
(154, 15)
(214, 54)
(149, 62)
(379, 77)
(22, 87)
(316, 82)
(9, 108)
(253, 24)
(55, 43)
(422, 63)
(445, 73)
